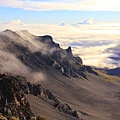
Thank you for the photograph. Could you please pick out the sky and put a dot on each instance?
(90, 27)
(58, 11)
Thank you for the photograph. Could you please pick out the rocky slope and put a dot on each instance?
(14, 103)
(71, 89)
(36, 51)
(12, 100)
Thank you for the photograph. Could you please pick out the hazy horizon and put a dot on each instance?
(90, 27)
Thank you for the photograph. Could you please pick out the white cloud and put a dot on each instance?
(87, 21)
(96, 55)
(11, 64)
(15, 21)
(89, 41)
(90, 5)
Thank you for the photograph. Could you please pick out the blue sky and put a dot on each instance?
(58, 11)
(56, 16)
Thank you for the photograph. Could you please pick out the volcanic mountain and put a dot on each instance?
(71, 90)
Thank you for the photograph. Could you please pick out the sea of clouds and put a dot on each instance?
(91, 41)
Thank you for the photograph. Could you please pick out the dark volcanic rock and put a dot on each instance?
(90, 70)
(53, 56)
(47, 39)
(14, 103)
(69, 53)
(12, 100)
(78, 60)
(41, 92)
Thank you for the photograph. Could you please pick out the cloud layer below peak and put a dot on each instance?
(89, 41)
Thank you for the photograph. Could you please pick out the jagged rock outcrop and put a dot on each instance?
(12, 100)
(14, 103)
(41, 92)
(47, 52)
(47, 39)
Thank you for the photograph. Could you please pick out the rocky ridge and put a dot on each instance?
(12, 100)
(14, 103)
(92, 96)
(48, 53)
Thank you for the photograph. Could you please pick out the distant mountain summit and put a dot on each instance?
(114, 71)
(115, 59)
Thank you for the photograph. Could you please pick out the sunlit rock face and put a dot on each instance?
(12, 100)
(14, 103)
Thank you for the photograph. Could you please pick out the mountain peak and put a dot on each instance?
(8, 30)
(13, 101)
(10, 33)
(47, 39)
(69, 50)
(50, 53)
(25, 32)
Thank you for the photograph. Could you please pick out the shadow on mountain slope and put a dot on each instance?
(85, 90)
